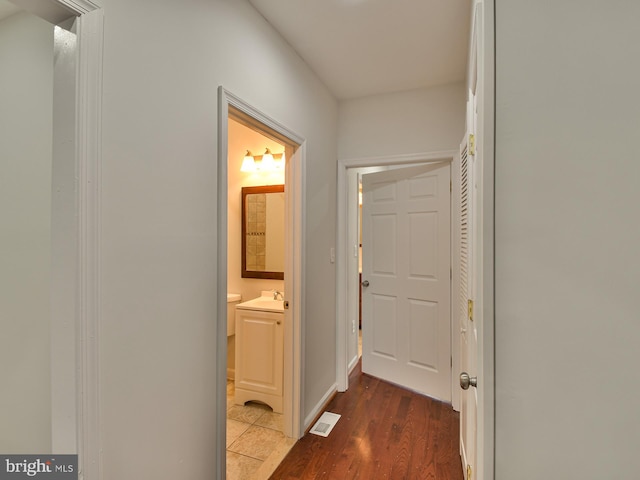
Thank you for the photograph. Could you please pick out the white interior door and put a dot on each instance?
(469, 307)
(406, 336)
(292, 286)
(468, 326)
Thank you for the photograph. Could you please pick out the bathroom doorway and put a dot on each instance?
(245, 133)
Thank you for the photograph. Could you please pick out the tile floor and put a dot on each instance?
(255, 442)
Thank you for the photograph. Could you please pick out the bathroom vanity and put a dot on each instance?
(259, 351)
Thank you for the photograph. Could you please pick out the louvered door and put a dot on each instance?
(466, 227)
(468, 331)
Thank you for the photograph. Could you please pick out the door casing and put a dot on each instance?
(294, 272)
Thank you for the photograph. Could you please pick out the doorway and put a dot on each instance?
(233, 109)
(348, 283)
(27, 47)
(74, 232)
(406, 284)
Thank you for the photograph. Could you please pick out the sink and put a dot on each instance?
(264, 303)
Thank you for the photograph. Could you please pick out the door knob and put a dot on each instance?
(466, 381)
(365, 283)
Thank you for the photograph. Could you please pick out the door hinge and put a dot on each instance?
(470, 307)
(472, 144)
(469, 472)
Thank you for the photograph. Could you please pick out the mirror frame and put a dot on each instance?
(254, 273)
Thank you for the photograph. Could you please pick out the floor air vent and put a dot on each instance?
(325, 424)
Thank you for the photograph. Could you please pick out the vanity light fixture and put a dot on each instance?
(279, 161)
(268, 162)
(248, 163)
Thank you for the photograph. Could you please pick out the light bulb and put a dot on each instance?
(268, 163)
(248, 163)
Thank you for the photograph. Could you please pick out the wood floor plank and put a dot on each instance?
(343, 433)
(365, 427)
(385, 432)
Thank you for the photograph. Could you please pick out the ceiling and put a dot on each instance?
(7, 9)
(368, 47)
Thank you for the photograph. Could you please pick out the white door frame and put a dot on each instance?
(75, 429)
(89, 160)
(342, 281)
(294, 270)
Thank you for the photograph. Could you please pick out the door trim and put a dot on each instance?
(294, 270)
(77, 383)
(342, 258)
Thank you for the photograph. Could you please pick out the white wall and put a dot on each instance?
(567, 262)
(163, 63)
(417, 121)
(26, 99)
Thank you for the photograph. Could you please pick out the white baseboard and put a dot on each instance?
(319, 407)
(353, 363)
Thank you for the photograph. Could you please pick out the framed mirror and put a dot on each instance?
(263, 222)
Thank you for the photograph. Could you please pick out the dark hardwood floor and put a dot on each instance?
(385, 432)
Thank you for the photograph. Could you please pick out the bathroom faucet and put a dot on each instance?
(276, 293)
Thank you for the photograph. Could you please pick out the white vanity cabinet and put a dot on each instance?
(259, 357)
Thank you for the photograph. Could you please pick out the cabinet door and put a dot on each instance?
(259, 352)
